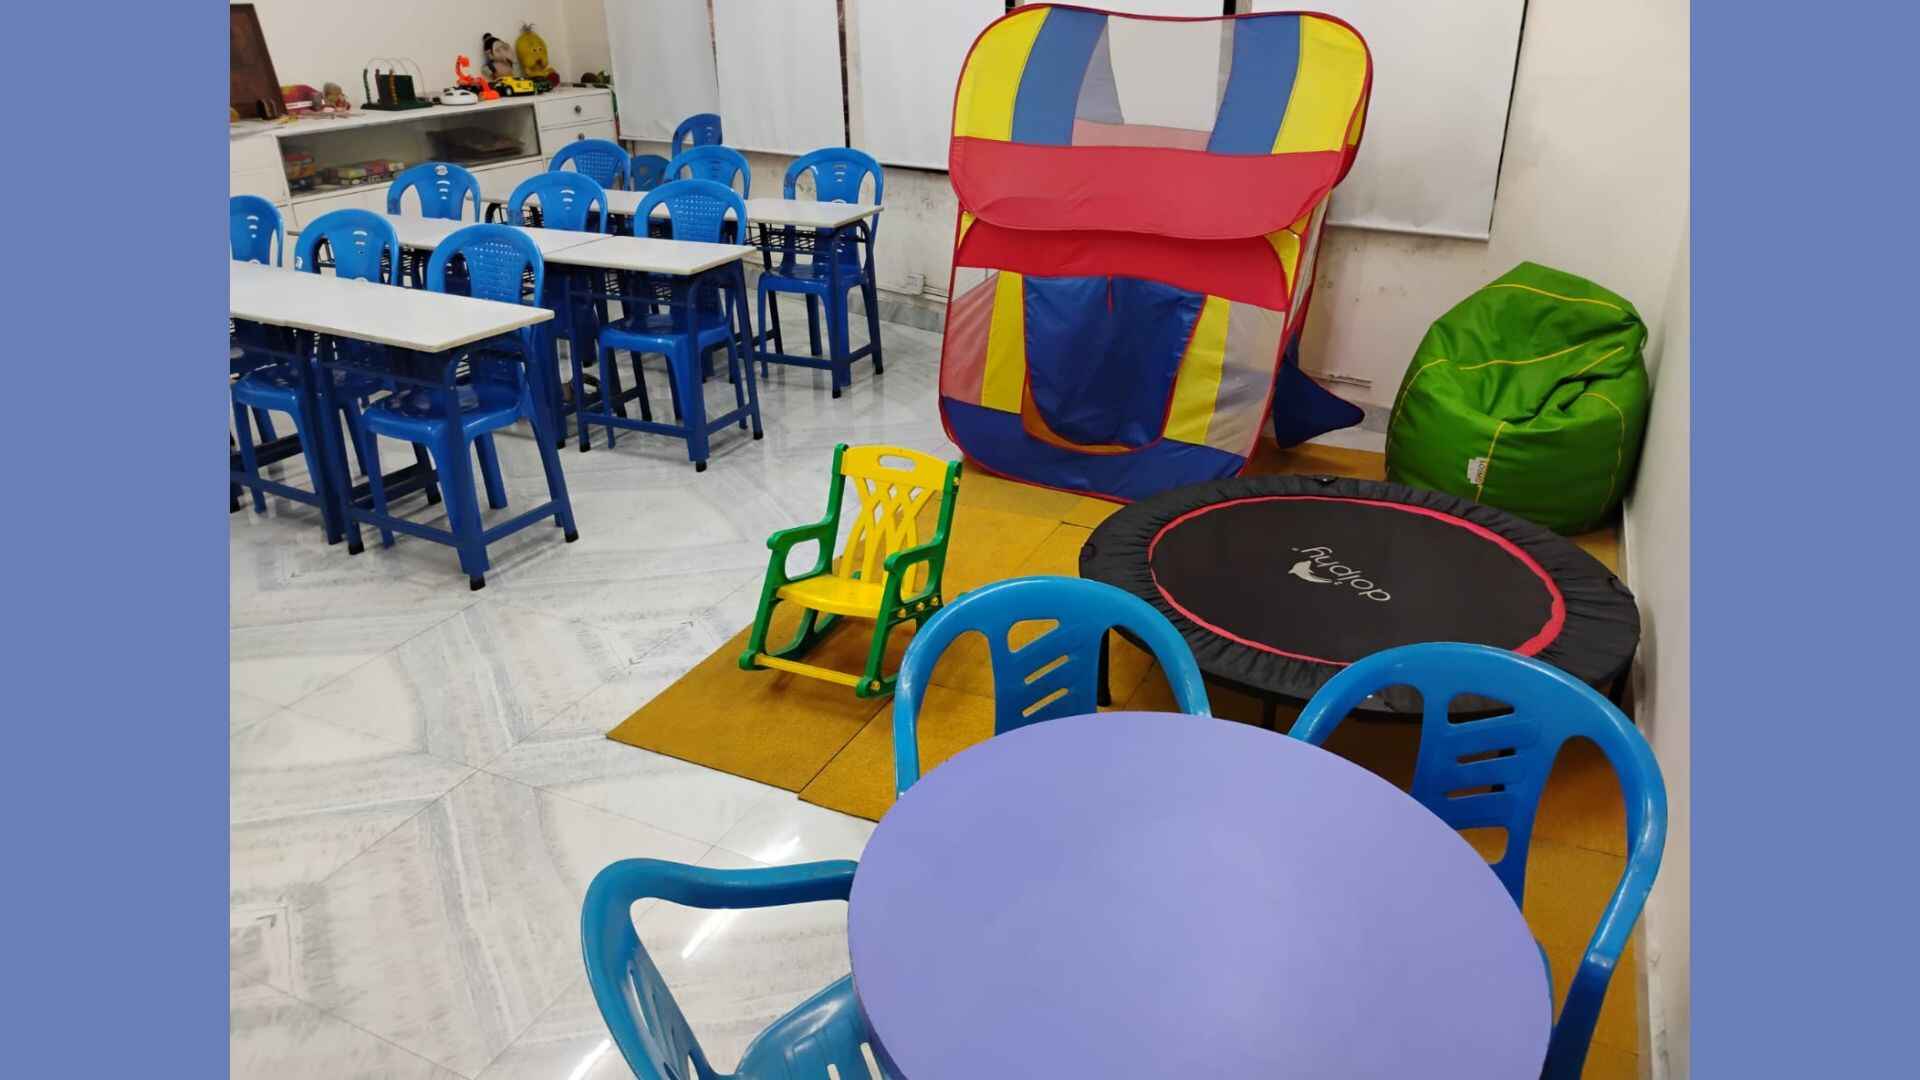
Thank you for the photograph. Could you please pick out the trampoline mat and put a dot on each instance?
(1277, 582)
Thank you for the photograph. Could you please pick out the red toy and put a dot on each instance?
(472, 82)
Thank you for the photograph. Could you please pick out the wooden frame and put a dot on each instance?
(255, 88)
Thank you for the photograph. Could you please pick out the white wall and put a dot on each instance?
(332, 40)
(1659, 570)
(1594, 181)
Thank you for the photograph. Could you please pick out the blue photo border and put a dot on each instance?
(1804, 734)
(1804, 738)
(115, 790)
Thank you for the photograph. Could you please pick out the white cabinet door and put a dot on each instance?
(572, 109)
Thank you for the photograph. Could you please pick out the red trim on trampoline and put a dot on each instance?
(1556, 620)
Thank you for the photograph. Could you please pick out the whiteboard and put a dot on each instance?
(906, 60)
(779, 65)
(663, 69)
(1442, 77)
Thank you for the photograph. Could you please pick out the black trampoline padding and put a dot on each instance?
(1277, 582)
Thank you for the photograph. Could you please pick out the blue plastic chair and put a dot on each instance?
(257, 235)
(568, 200)
(256, 230)
(442, 189)
(602, 159)
(721, 164)
(700, 129)
(361, 246)
(646, 1023)
(1056, 674)
(1509, 755)
(839, 173)
(696, 210)
(646, 171)
(454, 418)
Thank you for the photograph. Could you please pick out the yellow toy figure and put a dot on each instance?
(533, 57)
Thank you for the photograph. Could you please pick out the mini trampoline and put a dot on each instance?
(1277, 582)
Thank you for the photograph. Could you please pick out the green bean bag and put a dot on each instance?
(1530, 395)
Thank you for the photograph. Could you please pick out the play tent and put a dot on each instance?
(1140, 203)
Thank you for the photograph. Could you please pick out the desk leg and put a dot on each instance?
(686, 371)
(336, 486)
(836, 305)
(746, 322)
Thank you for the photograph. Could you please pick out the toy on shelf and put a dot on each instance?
(499, 56)
(514, 86)
(885, 574)
(302, 173)
(472, 82)
(391, 89)
(299, 98)
(533, 58)
(334, 99)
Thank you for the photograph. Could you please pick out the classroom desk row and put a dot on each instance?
(829, 230)
(306, 314)
(571, 257)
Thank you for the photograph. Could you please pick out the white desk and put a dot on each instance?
(384, 314)
(806, 213)
(425, 234)
(649, 255)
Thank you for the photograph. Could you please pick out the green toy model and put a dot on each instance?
(1530, 395)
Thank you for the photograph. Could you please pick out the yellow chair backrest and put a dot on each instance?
(894, 484)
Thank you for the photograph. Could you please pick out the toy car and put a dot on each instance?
(513, 85)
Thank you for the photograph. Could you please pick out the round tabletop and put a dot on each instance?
(1151, 895)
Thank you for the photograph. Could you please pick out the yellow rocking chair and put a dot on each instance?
(885, 574)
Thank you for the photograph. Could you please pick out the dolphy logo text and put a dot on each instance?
(1319, 567)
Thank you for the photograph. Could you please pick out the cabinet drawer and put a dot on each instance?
(365, 197)
(552, 139)
(562, 112)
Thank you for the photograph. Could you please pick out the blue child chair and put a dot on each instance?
(455, 416)
(568, 200)
(825, 1031)
(646, 171)
(1503, 761)
(686, 333)
(256, 230)
(839, 173)
(700, 129)
(441, 188)
(602, 159)
(1055, 674)
(721, 164)
(361, 246)
(257, 235)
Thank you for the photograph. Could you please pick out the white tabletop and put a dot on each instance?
(425, 234)
(648, 255)
(385, 314)
(808, 213)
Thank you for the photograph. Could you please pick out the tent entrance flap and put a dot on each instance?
(1102, 354)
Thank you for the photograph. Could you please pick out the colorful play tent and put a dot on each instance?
(1140, 203)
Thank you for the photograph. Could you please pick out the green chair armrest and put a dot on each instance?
(933, 553)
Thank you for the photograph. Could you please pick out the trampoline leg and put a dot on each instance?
(1102, 693)
(1270, 714)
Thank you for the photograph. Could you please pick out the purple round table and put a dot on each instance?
(1153, 895)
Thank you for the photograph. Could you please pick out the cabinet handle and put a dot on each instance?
(576, 110)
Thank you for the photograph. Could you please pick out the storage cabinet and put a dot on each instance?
(503, 142)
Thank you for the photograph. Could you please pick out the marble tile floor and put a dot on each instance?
(421, 783)
(421, 786)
